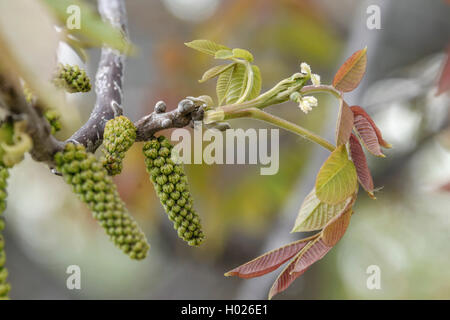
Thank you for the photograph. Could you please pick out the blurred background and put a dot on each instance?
(405, 232)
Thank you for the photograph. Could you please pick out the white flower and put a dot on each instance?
(315, 79)
(306, 103)
(305, 68)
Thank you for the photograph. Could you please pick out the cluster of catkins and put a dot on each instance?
(4, 285)
(90, 181)
(72, 79)
(171, 186)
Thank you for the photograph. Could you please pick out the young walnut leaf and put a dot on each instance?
(310, 254)
(206, 46)
(362, 169)
(269, 261)
(285, 278)
(345, 123)
(319, 247)
(336, 228)
(336, 180)
(368, 135)
(315, 214)
(242, 54)
(238, 84)
(223, 84)
(215, 71)
(224, 54)
(257, 80)
(357, 110)
(351, 72)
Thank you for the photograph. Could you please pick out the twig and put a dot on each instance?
(108, 81)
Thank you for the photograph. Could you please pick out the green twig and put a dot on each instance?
(282, 123)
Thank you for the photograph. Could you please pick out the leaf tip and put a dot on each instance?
(387, 145)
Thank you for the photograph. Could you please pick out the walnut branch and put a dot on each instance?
(186, 112)
(108, 81)
(108, 87)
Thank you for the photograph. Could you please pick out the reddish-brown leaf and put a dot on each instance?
(285, 278)
(345, 124)
(444, 80)
(313, 252)
(335, 229)
(269, 261)
(357, 110)
(368, 135)
(351, 72)
(362, 169)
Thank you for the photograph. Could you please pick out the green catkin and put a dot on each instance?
(171, 186)
(53, 117)
(4, 285)
(72, 79)
(118, 137)
(93, 186)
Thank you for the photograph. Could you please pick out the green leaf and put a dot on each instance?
(215, 71)
(337, 179)
(97, 31)
(206, 46)
(257, 80)
(238, 84)
(223, 84)
(224, 54)
(243, 54)
(315, 214)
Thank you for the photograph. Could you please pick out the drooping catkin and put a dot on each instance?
(4, 285)
(71, 78)
(171, 186)
(90, 181)
(118, 137)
